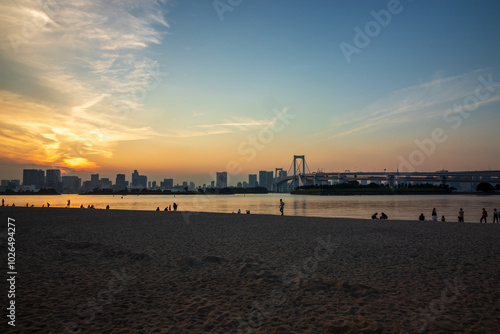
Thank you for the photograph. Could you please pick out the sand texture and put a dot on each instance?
(110, 271)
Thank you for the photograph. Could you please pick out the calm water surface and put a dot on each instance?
(406, 207)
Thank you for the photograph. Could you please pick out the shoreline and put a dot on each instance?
(142, 271)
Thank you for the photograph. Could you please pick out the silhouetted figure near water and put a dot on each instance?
(484, 215)
(496, 216)
(282, 206)
(383, 216)
(107, 207)
(461, 215)
(3, 202)
(175, 206)
(443, 219)
(374, 216)
(434, 215)
(48, 204)
(157, 208)
(69, 202)
(421, 217)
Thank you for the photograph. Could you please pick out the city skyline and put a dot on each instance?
(188, 89)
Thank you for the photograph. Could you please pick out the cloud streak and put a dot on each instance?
(425, 101)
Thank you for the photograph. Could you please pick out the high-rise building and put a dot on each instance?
(167, 184)
(106, 183)
(71, 184)
(212, 184)
(33, 177)
(252, 180)
(120, 183)
(135, 178)
(265, 179)
(153, 185)
(53, 180)
(143, 181)
(221, 180)
(270, 180)
(95, 182)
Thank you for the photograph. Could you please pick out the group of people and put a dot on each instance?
(382, 216)
(484, 216)
(168, 208)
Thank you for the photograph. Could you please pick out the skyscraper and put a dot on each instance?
(135, 178)
(71, 184)
(120, 183)
(252, 180)
(33, 177)
(221, 180)
(53, 180)
(94, 181)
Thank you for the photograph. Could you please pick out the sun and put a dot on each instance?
(79, 164)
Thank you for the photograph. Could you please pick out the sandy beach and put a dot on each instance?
(111, 271)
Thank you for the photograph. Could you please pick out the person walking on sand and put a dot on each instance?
(175, 206)
(484, 215)
(496, 216)
(69, 202)
(282, 206)
(461, 215)
(3, 202)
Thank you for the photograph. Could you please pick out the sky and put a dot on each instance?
(182, 89)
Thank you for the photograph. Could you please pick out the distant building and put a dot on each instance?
(167, 184)
(33, 177)
(265, 179)
(192, 186)
(252, 180)
(212, 184)
(221, 180)
(95, 183)
(135, 178)
(71, 184)
(120, 183)
(143, 181)
(106, 183)
(239, 185)
(153, 185)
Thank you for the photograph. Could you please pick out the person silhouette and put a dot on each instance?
(484, 215)
(282, 206)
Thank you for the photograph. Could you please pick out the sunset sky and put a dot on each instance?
(187, 88)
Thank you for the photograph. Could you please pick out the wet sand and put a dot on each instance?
(111, 271)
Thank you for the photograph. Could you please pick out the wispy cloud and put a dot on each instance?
(90, 54)
(425, 101)
(236, 124)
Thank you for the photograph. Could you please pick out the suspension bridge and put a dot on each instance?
(299, 174)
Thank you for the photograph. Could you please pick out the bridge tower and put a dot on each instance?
(295, 165)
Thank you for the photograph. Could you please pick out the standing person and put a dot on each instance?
(496, 216)
(69, 202)
(282, 206)
(434, 215)
(175, 206)
(421, 217)
(461, 215)
(484, 215)
(3, 202)
(48, 204)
